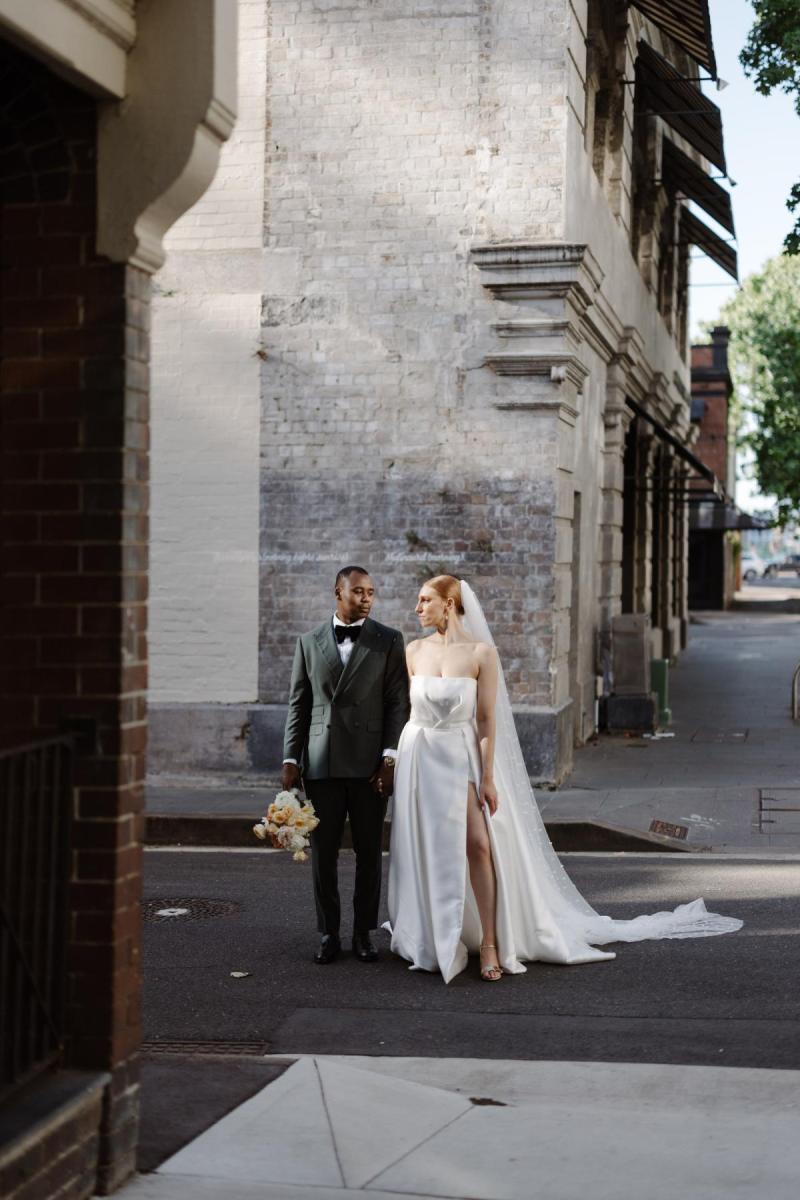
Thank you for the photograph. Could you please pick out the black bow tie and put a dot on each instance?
(343, 632)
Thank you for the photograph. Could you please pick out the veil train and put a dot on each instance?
(579, 927)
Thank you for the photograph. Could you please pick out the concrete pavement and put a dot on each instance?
(672, 1071)
(730, 776)
(701, 1001)
(342, 1127)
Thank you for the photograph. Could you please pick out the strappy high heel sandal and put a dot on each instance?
(492, 972)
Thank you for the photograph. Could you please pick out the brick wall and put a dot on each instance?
(74, 534)
(398, 137)
(711, 383)
(63, 1161)
(401, 135)
(205, 416)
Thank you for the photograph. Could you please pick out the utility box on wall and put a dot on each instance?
(631, 707)
(630, 654)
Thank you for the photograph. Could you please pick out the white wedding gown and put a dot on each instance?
(433, 917)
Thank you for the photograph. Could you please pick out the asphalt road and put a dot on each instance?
(723, 1000)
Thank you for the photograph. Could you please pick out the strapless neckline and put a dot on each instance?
(472, 677)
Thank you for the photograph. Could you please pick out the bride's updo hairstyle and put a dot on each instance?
(449, 588)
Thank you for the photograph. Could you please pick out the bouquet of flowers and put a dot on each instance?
(288, 824)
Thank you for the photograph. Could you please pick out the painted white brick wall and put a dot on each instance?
(402, 134)
(205, 417)
(380, 141)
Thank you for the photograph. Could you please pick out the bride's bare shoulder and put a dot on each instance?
(484, 653)
(412, 647)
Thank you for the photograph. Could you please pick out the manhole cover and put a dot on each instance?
(183, 909)
(720, 735)
(255, 1049)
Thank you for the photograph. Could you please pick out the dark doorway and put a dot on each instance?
(706, 569)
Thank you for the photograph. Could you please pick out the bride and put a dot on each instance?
(471, 867)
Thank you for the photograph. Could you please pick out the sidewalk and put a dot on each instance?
(731, 774)
(330, 1128)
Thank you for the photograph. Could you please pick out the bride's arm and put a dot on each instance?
(485, 717)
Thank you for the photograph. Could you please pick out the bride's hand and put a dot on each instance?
(488, 796)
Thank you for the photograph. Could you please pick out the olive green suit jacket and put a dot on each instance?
(340, 719)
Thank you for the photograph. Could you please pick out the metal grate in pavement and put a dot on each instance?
(187, 909)
(779, 810)
(237, 1049)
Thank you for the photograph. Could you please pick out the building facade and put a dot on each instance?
(431, 316)
(712, 567)
(112, 116)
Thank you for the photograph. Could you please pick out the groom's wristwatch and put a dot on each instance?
(388, 760)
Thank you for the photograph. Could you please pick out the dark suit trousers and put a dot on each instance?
(334, 800)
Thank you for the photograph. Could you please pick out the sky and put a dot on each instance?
(762, 150)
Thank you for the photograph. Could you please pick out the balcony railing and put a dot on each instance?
(35, 822)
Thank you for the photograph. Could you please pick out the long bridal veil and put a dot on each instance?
(578, 926)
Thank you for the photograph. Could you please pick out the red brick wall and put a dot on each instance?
(74, 542)
(711, 383)
(63, 1163)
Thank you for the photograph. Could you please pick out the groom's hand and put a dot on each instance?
(291, 778)
(383, 781)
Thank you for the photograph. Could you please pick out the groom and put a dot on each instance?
(348, 702)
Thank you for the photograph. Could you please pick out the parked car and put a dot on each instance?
(772, 566)
(752, 565)
(791, 563)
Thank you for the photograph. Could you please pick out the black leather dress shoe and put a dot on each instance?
(363, 948)
(328, 950)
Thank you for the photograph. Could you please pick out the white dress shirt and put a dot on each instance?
(345, 649)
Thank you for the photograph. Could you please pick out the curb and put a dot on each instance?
(235, 831)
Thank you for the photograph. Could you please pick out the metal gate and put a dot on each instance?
(35, 822)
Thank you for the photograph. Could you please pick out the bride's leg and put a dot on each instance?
(482, 877)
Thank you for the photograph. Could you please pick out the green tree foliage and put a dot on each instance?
(764, 318)
(771, 56)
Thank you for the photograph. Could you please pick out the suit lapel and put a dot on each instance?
(326, 641)
(368, 639)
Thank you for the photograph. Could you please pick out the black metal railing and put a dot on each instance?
(35, 824)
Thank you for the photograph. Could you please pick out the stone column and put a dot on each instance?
(617, 417)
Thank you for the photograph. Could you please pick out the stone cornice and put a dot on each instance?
(114, 18)
(542, 271)
(558, 368)
(557, 309)
(85, 41)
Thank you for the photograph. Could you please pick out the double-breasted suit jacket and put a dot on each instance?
(341, 718)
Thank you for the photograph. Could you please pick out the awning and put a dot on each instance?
(713, 515)
(715, 488)
(687, 22)
(695, 233)
(672, 97)
(683, 173)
